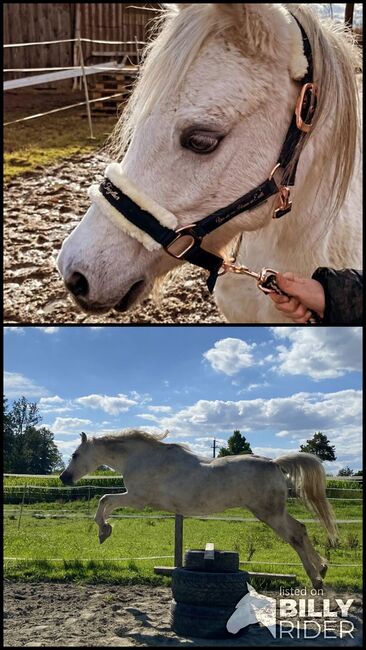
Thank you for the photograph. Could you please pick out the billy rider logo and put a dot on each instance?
(253, 608)
(311, 621)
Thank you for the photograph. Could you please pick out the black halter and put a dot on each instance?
(185, 243)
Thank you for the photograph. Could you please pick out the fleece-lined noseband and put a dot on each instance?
(155, 227)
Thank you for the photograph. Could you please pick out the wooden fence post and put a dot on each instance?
(22, 504)
(85, 89)
(178, 541)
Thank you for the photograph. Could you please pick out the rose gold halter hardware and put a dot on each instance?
(266, 282)
(308, 91)
(285, 204)
(266, 278)
(184, 241)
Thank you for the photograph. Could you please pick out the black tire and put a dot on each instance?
(198, 621)
(223, 561)
(212, 589)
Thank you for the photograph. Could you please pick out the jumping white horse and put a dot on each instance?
(204, 126)
(170, 477)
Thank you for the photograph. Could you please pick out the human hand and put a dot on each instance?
(304, 295)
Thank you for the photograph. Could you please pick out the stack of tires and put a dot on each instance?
(205, 594)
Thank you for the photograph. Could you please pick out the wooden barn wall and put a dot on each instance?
(29, 23)
(32, 22)
(114, 22)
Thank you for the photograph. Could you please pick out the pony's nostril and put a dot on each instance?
(78, 284)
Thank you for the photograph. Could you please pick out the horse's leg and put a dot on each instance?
(294, 532)
(107, 504)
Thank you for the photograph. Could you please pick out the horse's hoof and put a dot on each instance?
(323, 570)
(104, 533)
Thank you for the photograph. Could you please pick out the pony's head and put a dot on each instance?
(83, 460)
(205, 125)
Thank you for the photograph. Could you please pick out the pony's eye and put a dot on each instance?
(200, 141)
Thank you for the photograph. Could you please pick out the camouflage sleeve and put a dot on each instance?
(343, 295)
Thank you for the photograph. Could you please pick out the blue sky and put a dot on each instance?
(277, 385)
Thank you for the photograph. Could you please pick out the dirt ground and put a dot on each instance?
(41, 209)
(46, 614)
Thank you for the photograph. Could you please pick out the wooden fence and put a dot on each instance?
(34, 22)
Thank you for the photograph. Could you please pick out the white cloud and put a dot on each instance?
(141, 398)
(48, 330)
(301, 413)
(110, 404)
(17, 385)
(45, 402)
(320, 353)
(147, 416)
(251, 387)
(160, 409)
(54, 404)
(283, 434)
(219, 441)
(271, 452)
(67, 445)
(67, 426)
(230, 356)
(14, 330)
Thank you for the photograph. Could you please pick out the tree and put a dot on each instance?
(236, 444)
(8, 437)
(320, 446)
(359, 473)
(24, 414)
(345, 471)
(41, 453)
(29, 448)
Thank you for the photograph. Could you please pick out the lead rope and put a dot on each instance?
(266, 281)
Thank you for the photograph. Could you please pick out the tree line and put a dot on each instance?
(28, 447)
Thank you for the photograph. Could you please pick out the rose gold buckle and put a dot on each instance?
(300, 122)
(184, 241)
(285, 203)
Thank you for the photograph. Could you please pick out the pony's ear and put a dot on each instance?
(263, 29)
(298, 63)
(83, 437)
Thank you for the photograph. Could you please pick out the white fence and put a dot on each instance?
(70, 72)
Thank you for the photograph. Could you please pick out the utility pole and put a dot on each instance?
(350, 8)
(214, 448)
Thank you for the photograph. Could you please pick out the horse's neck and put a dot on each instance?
(119, 455)
(112, 454)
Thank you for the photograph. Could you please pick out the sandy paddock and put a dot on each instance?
(47, 614)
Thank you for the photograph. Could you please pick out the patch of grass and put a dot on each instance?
(68, 549)
(29, 146)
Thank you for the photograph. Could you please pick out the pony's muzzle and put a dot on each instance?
(66, 478)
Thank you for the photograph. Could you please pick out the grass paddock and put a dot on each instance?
(59, 541)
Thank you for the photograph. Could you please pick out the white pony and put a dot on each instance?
(204, 126)
(170, 477)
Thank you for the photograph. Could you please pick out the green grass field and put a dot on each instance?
(62, 547)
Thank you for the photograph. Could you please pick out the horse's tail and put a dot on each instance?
(307, 477)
